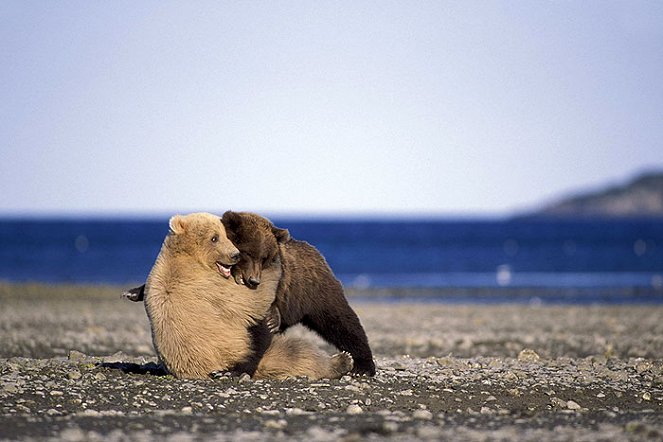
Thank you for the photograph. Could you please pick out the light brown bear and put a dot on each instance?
(203, 322)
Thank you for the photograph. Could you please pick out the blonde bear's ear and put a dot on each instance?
(177, 225)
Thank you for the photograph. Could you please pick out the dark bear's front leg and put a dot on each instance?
(261, 338)
(136, 294)
(340, 326)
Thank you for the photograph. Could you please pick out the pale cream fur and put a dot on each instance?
(200, 318)
(290, 356)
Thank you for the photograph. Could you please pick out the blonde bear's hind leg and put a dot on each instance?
(290, 356)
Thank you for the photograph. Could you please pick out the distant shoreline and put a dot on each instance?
(535, 296)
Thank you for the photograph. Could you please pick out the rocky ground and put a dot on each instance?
(76, 363)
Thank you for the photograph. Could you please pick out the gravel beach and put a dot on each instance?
(76, 363)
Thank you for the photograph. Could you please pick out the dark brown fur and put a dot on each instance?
(308, 292)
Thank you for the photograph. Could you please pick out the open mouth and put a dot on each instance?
(223, 269)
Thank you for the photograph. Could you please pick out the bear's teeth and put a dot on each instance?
(225, 271)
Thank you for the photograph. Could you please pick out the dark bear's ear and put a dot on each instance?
(177, 225)
(282, 235)
(231, 220)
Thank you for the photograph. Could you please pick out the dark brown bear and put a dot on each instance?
(308, 292)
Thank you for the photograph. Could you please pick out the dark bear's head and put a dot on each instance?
(203, 237)
(258, 242)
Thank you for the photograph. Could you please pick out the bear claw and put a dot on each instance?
(342, 363)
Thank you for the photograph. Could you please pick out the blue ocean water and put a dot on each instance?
(367, 253)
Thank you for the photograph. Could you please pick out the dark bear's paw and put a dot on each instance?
(365, 367)
(136, 294)
(273, 320)
(341, 363)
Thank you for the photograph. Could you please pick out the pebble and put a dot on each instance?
(422, 414)
(572, 405)
(274, 424)
(10, 388)
(390, 427)
(528, 355)
(75, 355)
(244, 378)
(354, 409)
(73, 435)
(74, 375)
(428, 432)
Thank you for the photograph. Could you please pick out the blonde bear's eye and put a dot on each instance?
(215, 238)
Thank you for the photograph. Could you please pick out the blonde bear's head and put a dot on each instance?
(202, 237)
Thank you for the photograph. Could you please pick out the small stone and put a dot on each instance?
(100, 377)
(23, 408)
(557, 402)
(294, 411)
(10, 388)
(76, 355)
(92, 413)
(390, 427)
(56, 393)
(572, 405)
(187, 410)
(354, 409)
(73, 435)
(406, 393)
(528, 355)
(510, 376)
(422, 414)
(244, 378)
(642, 366)
(74, 375)
(428, 432)
(486, 410)
(646, 396)
(276, 424)
(317, 433)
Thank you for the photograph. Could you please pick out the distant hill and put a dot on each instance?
(641, 197)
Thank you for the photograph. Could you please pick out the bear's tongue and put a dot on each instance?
(225, 271)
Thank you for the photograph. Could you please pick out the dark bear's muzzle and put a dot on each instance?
(253, 282)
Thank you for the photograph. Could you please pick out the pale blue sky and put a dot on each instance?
(449, 108)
